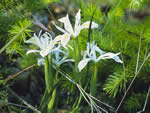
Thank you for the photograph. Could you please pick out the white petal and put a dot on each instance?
(58, 38)
(83, 63)
(44, 52)
(65, 39)
(51, 44)
(117, 59)
(110, 56)
(49, 49)
(78, 16)
(33, 41)
(87, 24)
(99, 50)
(67, 24)
(63, 61)
(85, 54)
(77, 24)
(68, 60)
(60, 29)
(46, 38)
(43, 43)
(32, 51)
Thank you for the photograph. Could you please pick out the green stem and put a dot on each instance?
(77, 57)
(77, 54)
(48, 73)
(93, 86)
(52, 100)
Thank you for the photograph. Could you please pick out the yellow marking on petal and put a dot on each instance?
(86, 25)
(43, 52)
(32, 39)
(58, 38)
(66, 35)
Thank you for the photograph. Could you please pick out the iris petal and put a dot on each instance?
(83, 63)
(65, 39)
(87, 24)
(32, 51)
(67, 24)
(77, 24)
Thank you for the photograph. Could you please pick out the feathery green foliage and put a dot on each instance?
(87, 14)
(16, 45)
(115, 83)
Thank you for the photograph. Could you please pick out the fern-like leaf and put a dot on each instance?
(19, 28)
(115, 83)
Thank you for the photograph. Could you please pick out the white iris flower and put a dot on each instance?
(44, 42)
(69, 29)
(90, 54)
(59, 58)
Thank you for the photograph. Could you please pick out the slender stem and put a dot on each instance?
(94, 81)
(15, 75)
(52, 100)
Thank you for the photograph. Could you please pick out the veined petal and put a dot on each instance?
(67, 24)
(65, 39)
(87, 24)
(32, 51)
(83, 63)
